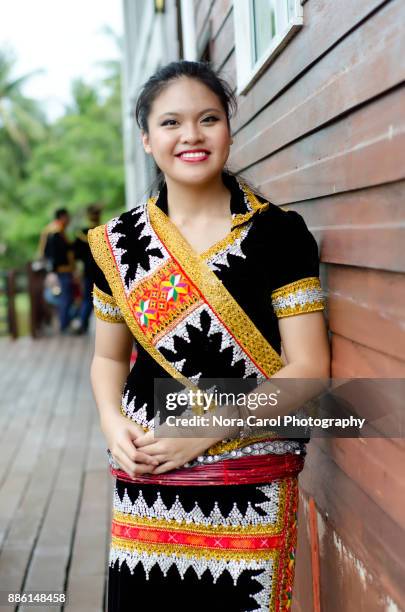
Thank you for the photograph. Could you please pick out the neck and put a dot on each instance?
(185, 201)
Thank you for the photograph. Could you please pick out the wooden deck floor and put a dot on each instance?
(55, 488)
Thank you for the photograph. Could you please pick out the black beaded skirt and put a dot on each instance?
(196, 546)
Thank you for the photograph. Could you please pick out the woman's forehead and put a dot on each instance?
(185, 95)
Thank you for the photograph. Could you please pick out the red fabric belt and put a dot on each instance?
(244, 470)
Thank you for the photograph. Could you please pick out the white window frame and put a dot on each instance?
(247, 72)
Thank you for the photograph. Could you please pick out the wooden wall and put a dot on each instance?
(323, 132)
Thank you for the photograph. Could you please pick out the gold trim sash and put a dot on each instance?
(214, 294)
(203, 287)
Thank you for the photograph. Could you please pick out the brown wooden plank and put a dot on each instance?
(380, 402)
(12, 353)
(346, 581)
(374, 205)
(90, 548)
(72, 421)
(21, 535)
(377, 543)
(33, 480)
(339, 82)
(52, 551)
(21, 447)
(9, 350)
(203, 16)
(351, 227)
(324, 26)
(358, 151)
(228, 70)
(351, 360)
(368, 306)
(375, 465)
(26, 407)
(223, 44)
(16, 376)
(219, 14)
(365, 244)
(302, 592)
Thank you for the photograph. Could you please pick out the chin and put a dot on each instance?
(195, 176)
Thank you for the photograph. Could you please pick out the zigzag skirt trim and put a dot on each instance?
(197, 546)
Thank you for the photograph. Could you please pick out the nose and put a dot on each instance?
(191, 133)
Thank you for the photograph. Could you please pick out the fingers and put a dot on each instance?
(136, 455)
(132, 468)
(130, 448)
(136, 431)
(132, 460)
(125, 464)
(141, 457)
(165, 467)
(150, 449)
(145, 439)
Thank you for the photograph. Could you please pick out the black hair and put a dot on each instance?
(61, 212)
(200, 71)
(164, 76)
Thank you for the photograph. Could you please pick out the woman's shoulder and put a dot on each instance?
(281, 222)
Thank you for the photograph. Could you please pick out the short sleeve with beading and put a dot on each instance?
(298, 289)
(104, 304)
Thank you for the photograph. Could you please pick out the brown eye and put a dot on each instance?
(169, 122)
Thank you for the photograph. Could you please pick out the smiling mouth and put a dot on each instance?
(193, 156)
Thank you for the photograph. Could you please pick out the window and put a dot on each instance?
(262, 29)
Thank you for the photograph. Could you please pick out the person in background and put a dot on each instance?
(82, 253)
(58, 250)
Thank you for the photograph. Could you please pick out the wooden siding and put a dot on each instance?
(323, 132)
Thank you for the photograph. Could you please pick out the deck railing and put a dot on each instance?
(28, 280)
(8, 316)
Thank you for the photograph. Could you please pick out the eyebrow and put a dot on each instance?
(173, 113)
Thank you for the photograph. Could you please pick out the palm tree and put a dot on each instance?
(21, 120)
(21, 125)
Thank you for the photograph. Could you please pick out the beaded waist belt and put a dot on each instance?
(245, 470)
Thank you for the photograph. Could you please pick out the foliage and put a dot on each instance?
(70, 163)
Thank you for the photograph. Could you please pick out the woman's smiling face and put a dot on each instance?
(188, 134)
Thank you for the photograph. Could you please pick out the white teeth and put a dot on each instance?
(193, 155)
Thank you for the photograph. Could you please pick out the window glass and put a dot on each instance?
(262, 30)
(268, 18)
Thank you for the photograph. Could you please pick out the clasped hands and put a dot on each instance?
(139, 452)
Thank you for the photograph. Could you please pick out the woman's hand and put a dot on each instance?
(121, 435)
(172, 452)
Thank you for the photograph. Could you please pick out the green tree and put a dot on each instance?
(80, 161)
(76, 160)
(21, 120)
(22, 125)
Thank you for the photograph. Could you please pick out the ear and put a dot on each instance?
(145, 142)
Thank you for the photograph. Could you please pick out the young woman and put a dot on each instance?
(209, 278)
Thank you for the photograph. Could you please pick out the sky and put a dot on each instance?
(64, 38)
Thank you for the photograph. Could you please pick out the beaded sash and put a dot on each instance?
(244, 470)
(178, 286)
(168, 288)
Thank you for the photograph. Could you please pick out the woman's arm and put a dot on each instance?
(109, 370)
(306, 346)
